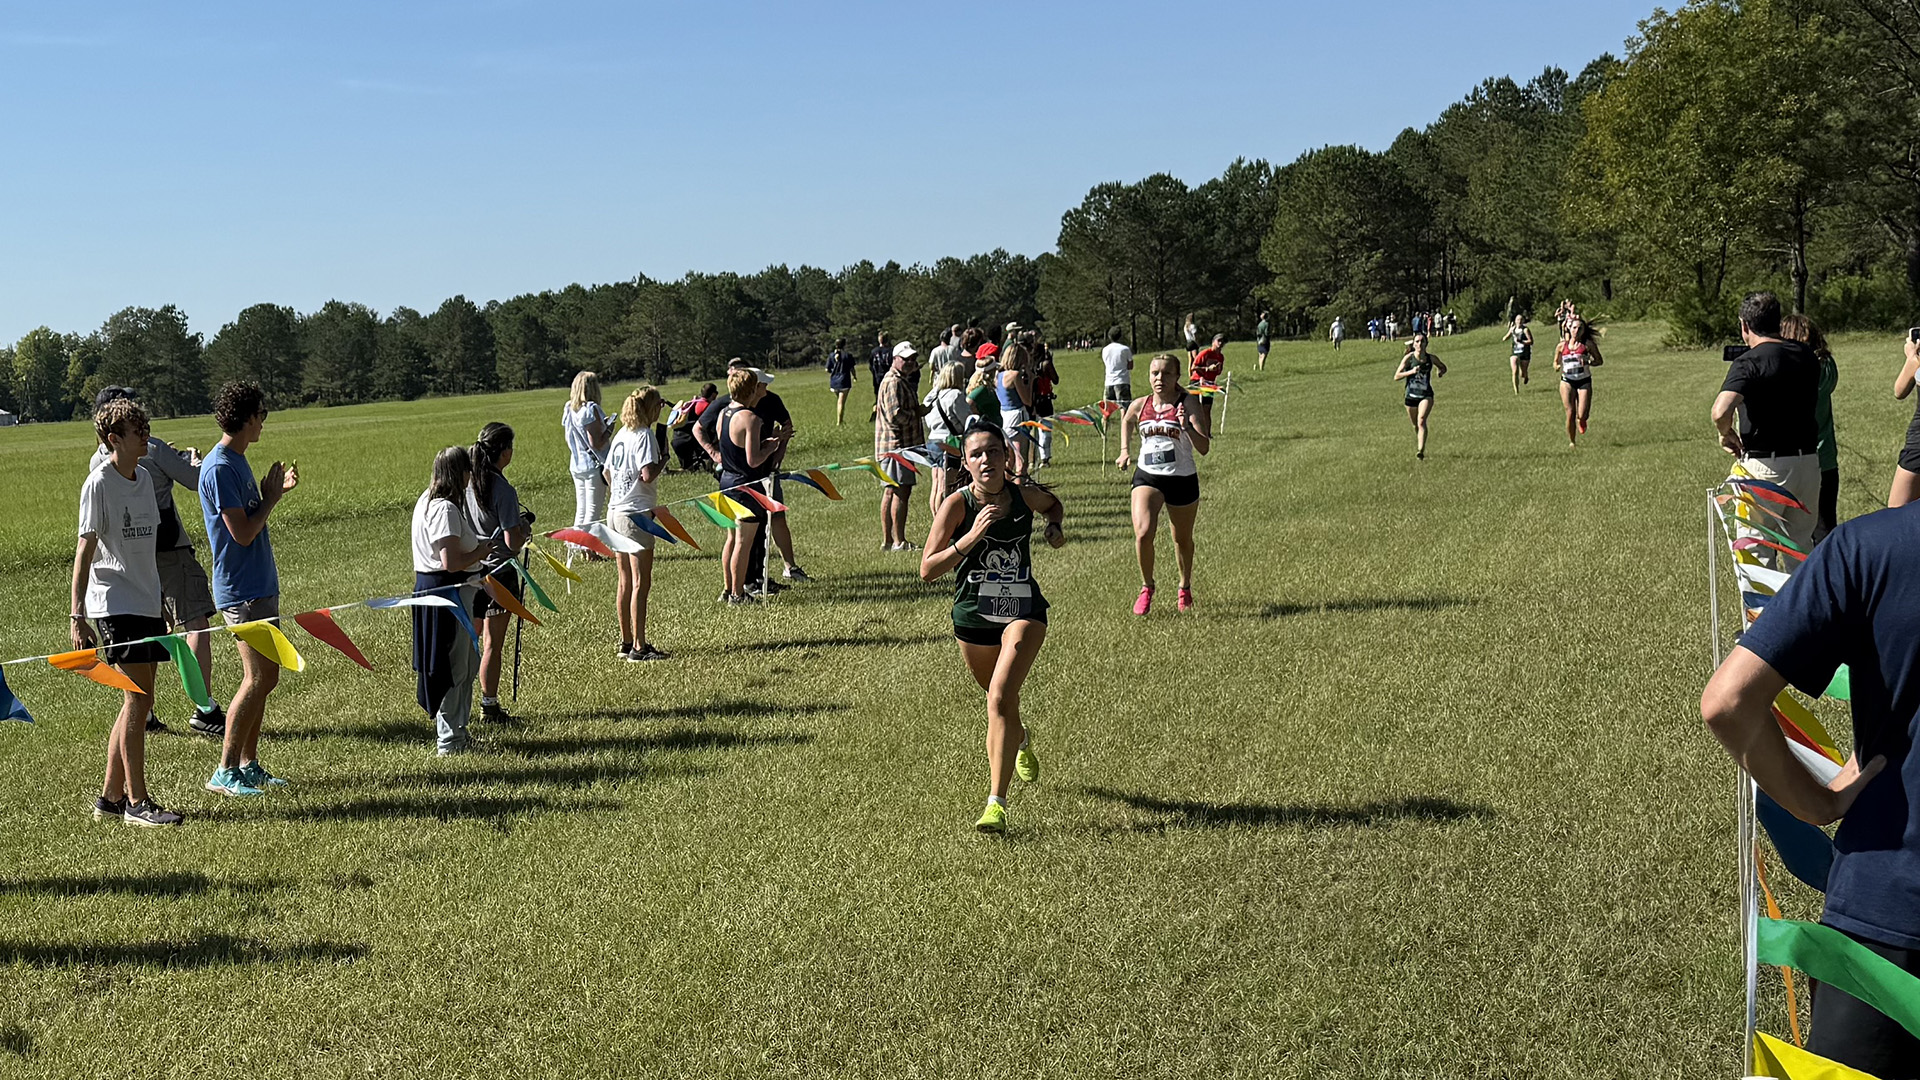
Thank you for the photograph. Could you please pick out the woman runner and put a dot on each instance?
(1577, 356)
(983, 534)
(1170, 433)
(1522, 351)
(1419, 367)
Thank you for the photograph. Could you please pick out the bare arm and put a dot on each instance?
(82, 634)
(760, 445)
(1594, 359)
(936, 562)
(1440, 364)
(1726, 411)
(453, 559)
(1199, 430)
(1403, 370)
(1128, 420)
(1737, 706)
(245, 525)
(1903, 382)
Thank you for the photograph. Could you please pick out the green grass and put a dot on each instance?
(1421, 790)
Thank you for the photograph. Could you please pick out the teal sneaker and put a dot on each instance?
(229, 782)
(256, 775)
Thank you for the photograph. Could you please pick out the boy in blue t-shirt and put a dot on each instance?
(246, 584)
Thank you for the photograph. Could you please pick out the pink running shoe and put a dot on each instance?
(1185, 600)
(1145, 603)
(1583, 425)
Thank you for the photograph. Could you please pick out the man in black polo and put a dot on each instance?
(1773, 387)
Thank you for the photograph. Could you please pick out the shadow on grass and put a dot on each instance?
(1363, 604)
(174, 884)
(569, 775)
(1196, 814)
(654, 741)
(16, 1040)
(213, 950)
(842, 642)
(740, 708)
(411, 732)
(496, 810)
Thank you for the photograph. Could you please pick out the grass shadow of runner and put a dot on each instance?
(1202, 814)
(210, 950)
(736, 708)
(498, 811)
(172, 884)
(676, 739)
(1363, 604)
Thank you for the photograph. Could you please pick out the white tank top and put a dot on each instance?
(1165, 449)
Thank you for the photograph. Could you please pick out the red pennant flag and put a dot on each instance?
(901, 460)
(672, 524)
(1108, 408)
(320, 624)
(87, 662)
(581, 538)
(754, 494)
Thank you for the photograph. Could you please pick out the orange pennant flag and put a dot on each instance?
(87, 662)
(509, 601)
(672, 524)
(820, 477)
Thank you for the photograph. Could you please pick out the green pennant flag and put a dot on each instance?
(539, 594)
(190, 678)
(714, 515)
(1831, 957)
(1841, 688)
(1770, 534)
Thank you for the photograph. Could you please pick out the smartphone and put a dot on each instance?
(1913, 334)
(1730, 353)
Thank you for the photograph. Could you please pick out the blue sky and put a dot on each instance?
(225, 154)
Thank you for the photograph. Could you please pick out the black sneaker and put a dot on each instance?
(494, 714)
(151, 813)
(154, 726)
(104, 808)
(209, 722)
(648, 652)
(794, 573)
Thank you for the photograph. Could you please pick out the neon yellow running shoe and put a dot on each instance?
(1026, 764)
(993, 819)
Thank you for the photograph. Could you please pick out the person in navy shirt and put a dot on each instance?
(1856, 601)
(246, 583)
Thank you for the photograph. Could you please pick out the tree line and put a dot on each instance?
(1737, 144)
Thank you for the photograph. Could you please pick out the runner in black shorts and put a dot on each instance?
(982, 534)
(1172, 430)
(1419, 367)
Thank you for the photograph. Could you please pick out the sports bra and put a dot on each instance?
(1573, 361)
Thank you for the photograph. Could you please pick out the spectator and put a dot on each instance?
(1118, 360)
(1191, 332)
(840, 378)
(1262, 341)
(897, 426)
(942, 354)
(187, 600)
(493, 509)
(1855, 602)
(879, 362)
(1906, 476)
(1774, 387)
(1337, 332)
(1208, 366)
(686, 419)
(1046, 381)
(1800, 328)
(588, 429)
(445, 548)
(947, 414)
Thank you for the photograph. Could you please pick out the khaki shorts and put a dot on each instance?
(622, 524)
(266, 607)
(185, 595)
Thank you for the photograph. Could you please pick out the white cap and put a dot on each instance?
(905, 348)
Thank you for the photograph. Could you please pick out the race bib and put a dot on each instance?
(1157, 457)
(1005, 601)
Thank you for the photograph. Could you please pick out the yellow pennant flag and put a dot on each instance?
(727, 506)
(1784, 1061)
(1804, 720)
(559, 567)
(871, 466)
(267, 640)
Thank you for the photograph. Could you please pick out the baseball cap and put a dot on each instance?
(905, 348)
(986, 352)
(1012, 328)
(111, 393)
(737, 364)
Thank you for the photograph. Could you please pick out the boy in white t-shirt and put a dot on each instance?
(1118, 360)
(116, 583)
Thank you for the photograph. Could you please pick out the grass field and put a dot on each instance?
(1420, 790)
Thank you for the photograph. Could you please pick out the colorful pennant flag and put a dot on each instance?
(771, 505)
(559, 567)
(447, 596)
(672, 524)
(825, 483)
(1747, 543)
(868, 464)
(1760, 577)
(1773, 534)
(539, 594)
(645, 522)
(268, 641)
(1805, 849)
(1769, 491)
(727, 505)
(613, 541)
(11, 707)
(1077, 416)
(191, 679)
(1784, 1061)
(1788, 708)
(1742, 504)
(917, 457)
(581, 539)
(1828, 956)
(713, 515)
(1108, 408)
(505, 598)
(87, 662)
(321, 626)
(1841, 688)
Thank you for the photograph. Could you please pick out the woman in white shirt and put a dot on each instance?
(117, 584)
(634, 463)
(589, 429)
(445, 547)
(947, 415)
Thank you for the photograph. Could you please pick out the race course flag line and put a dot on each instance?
(719, 507)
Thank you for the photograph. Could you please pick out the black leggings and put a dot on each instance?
(1829, 504)
(1856, 1035)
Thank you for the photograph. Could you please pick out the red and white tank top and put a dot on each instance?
(1165, 449)
(1573, 361)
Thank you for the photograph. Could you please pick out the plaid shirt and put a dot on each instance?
(897, 423)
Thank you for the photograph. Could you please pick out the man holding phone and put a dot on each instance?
(1772, 388)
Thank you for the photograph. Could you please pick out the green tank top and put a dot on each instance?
(986, 406)
(994, 584)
